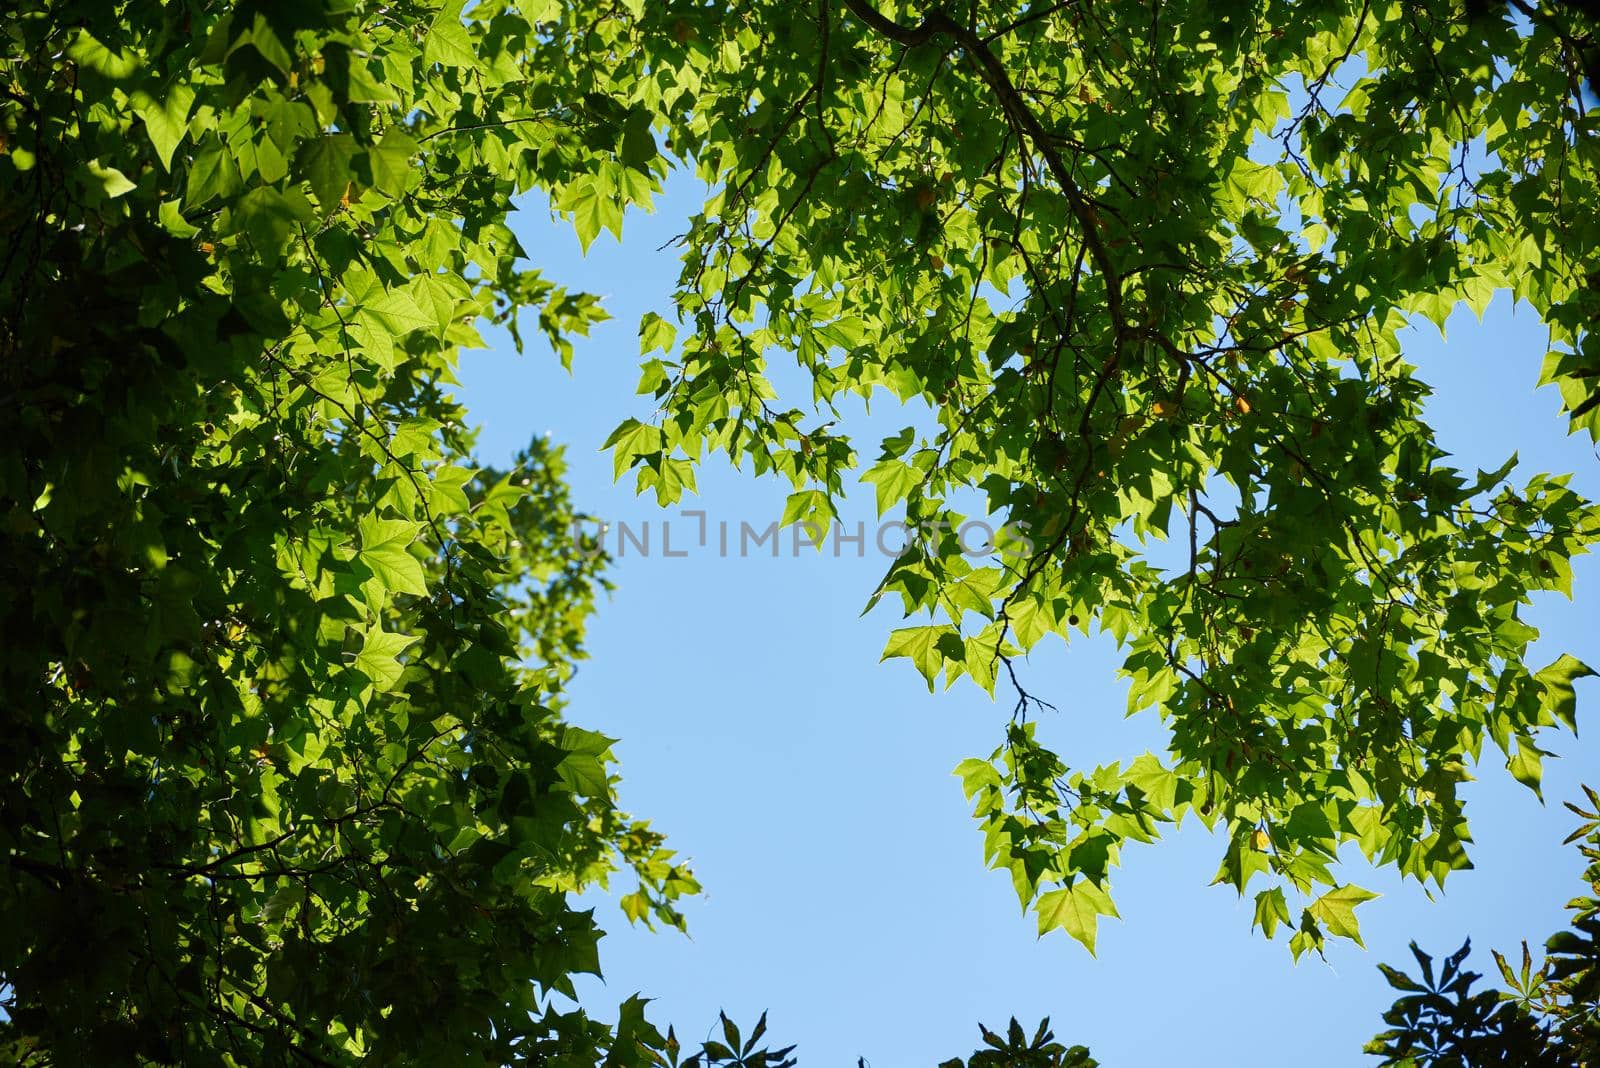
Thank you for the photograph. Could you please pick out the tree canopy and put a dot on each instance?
(288, 772)
(287, 776)
(1148, 264)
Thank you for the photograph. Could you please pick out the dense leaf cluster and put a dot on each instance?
(284, 772)
(1547, 1017)
(1148, 265)
(1018, 1050)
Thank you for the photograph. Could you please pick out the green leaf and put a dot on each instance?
(893, 479)
(398, 312)
(591, 208)
(416, 436)
(583, 774)
(1336, 910)
(327, 163)
(812, 510)
(1271, 910)
(269, 217)
(1242, 860)
(363, 88)
(379, 658)
(668, 476)
(655, 333)
(1075, 909)
(390, 160)
(212, 173)
(638, 143)
(921, 646)
(173, 222)
(115, 63)
(977, 775)
(1561, 695)
(111, 181)
(264, 39)
(448, 42)
(631, 440)
(1400, 980)
(166, 122)
(1527, 766)
(385, 551)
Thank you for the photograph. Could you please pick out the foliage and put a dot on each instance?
(284, 771)
(1547, 1017)
(731, 1050)
(1544, 1017)
(286, 768)
(1017, 1050)
(1149, 273)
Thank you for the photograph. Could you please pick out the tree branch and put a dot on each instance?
(1021, 117)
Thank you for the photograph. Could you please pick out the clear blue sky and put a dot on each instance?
(845, 887)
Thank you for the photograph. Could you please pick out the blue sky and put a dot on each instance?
(845, 887)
